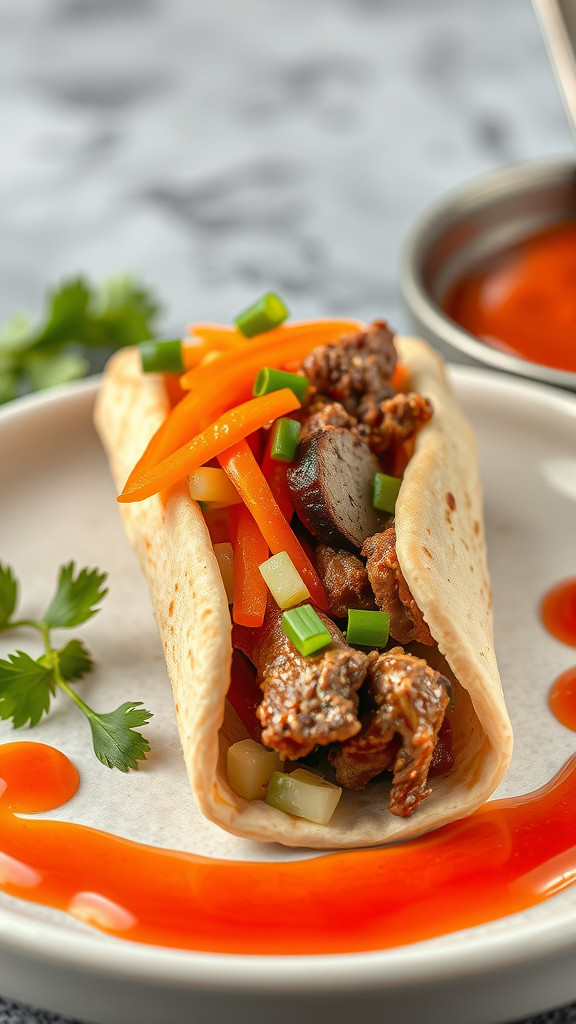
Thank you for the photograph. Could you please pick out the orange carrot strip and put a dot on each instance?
(206, 339)
(221, 336)
(400, 377)
(289, 342)
(227, 381)
(229, 429)
(249, 551)
(249, 480)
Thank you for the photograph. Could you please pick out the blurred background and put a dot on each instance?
(221, 149)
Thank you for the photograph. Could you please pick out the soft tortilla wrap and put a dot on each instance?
(441, 551)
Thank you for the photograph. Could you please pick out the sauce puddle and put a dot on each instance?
(508, 856)
(522, 300)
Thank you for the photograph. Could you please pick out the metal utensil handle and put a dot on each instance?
(558, 24)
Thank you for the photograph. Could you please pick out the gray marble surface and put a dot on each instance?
(222, 149)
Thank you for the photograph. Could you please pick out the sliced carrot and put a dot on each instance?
(249, 551)
(400, 378)
(249, 480)
(205, 340)
(284, 344)
(232, 427)
(173, 389)
(228, 380)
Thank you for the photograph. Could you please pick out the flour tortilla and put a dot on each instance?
(441, 550)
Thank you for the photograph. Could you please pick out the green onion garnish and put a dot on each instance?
(265, 314)
(161, 356)
(285, 433)
(385, 491)
(367, 629)
(305, 629)
(273, 380)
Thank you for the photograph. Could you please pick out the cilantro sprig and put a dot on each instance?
(27, 685)
(82, 325)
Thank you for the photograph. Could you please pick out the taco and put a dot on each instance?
(414, 730)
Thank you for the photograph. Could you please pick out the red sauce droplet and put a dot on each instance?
(509, 855)
(523, 301)
(563, 698)
(558, 611)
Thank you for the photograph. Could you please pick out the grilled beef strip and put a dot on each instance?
(307, 701)
(407, 701)
(345, 581)
(391, 590)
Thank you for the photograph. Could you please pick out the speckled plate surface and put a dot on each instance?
(57, 503)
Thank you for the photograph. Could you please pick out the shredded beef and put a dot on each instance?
(322, 414)
(356, 365)
(345, 581)
(407, 701)
(307, 701)
(393, 420)
(351, 388)
(391, 590)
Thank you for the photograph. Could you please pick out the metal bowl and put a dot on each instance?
(477, 220)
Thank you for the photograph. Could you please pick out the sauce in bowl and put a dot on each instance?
(523, 299)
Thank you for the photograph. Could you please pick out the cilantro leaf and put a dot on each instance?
(67, 313)
(27, 685)
(74, 661)
(75, 598)
(8, 593)
(44, 369)
(26, 688)
(80, 318)
(116, 744)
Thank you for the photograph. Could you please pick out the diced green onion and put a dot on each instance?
(265, 314)
(284, 581)
(285, 433)
(385, 491)
(367, 628)
(225, 559)
(161, 356)
(304, 794)
(272, 380)
(250, 766)
(305, 629)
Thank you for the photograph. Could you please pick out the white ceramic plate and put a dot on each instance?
(57, 503)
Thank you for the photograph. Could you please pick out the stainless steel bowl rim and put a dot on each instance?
(429, 319)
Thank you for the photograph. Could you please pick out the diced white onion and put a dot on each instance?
(284, 581)
(250, 766)
(304, 794)
(211, 484)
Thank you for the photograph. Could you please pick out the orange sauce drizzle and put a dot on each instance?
(563, 698)
(523, 301)
(558, 611)
(509, 855)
